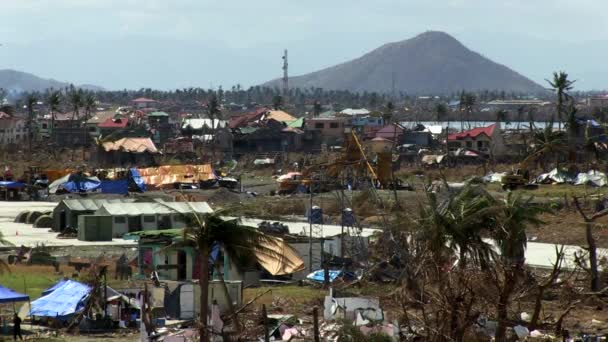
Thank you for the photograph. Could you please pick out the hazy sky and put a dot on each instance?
(180, 43)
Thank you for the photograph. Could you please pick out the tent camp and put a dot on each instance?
(61, 301)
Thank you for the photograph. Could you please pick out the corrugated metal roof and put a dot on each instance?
(154, 208)
(87, 204)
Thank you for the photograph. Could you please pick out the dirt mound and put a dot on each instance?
(223, 196)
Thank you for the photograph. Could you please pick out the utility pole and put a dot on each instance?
(393, 86)
(285, 77)
(310, 231)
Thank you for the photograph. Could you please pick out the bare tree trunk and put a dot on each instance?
(204, 284)
(502, 311)
(592, 246)
(591, 243)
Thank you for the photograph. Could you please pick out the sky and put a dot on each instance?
(167, 44)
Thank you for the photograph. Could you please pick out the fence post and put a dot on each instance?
(265, 320)
(315, 323)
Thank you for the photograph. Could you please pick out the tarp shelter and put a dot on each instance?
(9, 296)
(54, 287)
(167, 175)
(595, 178)
(319, 276)
(64, 300)
(554, 176)
(131, 145)
(75, 183)
(11, 185)
(133, 182)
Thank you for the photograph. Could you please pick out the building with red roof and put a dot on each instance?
(483, 139)
(143, 102)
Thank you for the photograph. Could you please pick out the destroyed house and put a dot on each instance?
(126, 151)
(180, 262)
(268, 136)
(66, 213)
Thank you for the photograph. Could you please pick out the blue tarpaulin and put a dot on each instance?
(115, 187)
(65, 300)
(12, 185)
(54, 287)
(8, 296)
(135, 177)
(75, 183)
(319, 275)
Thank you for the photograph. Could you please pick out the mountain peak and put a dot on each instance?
(18, 81)
(432, 62)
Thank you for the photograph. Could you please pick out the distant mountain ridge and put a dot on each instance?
(430, 63)
(18, 81)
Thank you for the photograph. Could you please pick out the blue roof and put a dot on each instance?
(66, 298)
(7, 296)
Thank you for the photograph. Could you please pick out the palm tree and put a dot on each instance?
(240, 243)
(30, 101)
(561, 85)
(455, 226)
(572, 126)
(53, 101)
(76, 102)
(501, 115)
(277, 102)
(516, 213)
(388, 115)
(441, 110)
(547, 142)
(90, 103)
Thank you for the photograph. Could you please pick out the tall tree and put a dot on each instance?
(441, 112)
(76, 100)
(31, 101)
(90, 104)
(388, 114)
(317, 108)
(53, 102)
(237, 241)
(277, 102)
(561, 85)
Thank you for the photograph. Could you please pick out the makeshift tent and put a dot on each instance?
(115, 187)
(54, 287)
(61, 303)
(319, 276)
(75, 183)
(494, 177)
(554, 176)
(136, 180)
(595, 178)
(167, 175)
(9, 296)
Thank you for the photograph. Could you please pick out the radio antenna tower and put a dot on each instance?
(285, 77)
